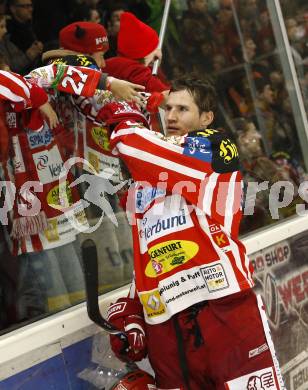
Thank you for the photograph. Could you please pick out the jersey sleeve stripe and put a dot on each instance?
(13, 79)
(9, 95)
(159, 161)
(149, 136)
(208, 193)
(230, 204)
(239, 262)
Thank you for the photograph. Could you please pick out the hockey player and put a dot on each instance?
(191, 308)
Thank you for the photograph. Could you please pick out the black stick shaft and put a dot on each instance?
(90, 266)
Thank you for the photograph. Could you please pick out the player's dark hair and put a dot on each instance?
(202, 91)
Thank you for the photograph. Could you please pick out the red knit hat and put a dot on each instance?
(135, 39)
(84, 37)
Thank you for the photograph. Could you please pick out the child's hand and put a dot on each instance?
(49, 113)
(124, 90)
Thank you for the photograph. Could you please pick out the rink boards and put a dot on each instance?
(57, 352)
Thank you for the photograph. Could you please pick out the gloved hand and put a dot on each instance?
(126, 314)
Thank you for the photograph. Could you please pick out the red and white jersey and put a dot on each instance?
(83, 107)
(186, 210)
(19, 92)
(39, 155)
(93, 135)
(75, 80)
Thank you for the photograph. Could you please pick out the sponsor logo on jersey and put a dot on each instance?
(59, 200)
(169, 255)
(198, 147)
(152, 303)
(215, 277)
(100, 137)
(160, 221)
(48, 164)
(55, 169)
(258, 380)
(52, 233)
(255, 352)
(206, 132)
(145, 196)
(227, 151)
(42, 162)
(41, 138)
(161, 225)
(219, 237)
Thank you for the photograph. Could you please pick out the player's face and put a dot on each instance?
(182, 114)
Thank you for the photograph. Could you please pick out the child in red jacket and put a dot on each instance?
(137, 50)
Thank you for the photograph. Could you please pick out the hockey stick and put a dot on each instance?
(90, 268)
(159, 117)
(162, 34)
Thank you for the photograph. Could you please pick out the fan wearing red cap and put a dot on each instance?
(87, 38)
(137, 40)
(137, 50)
(90, 38)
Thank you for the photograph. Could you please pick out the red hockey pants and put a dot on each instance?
(220, 344)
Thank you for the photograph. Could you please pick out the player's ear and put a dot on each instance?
(206, 118)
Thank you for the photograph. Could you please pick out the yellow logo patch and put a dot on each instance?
(206, 132)
(60, 197)
(228, 151)
(81, 217)
(100, 137)
(168, 255)
(152, 304)
(51, 233)
(94, 161)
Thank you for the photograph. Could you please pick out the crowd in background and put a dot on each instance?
(231, 41)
